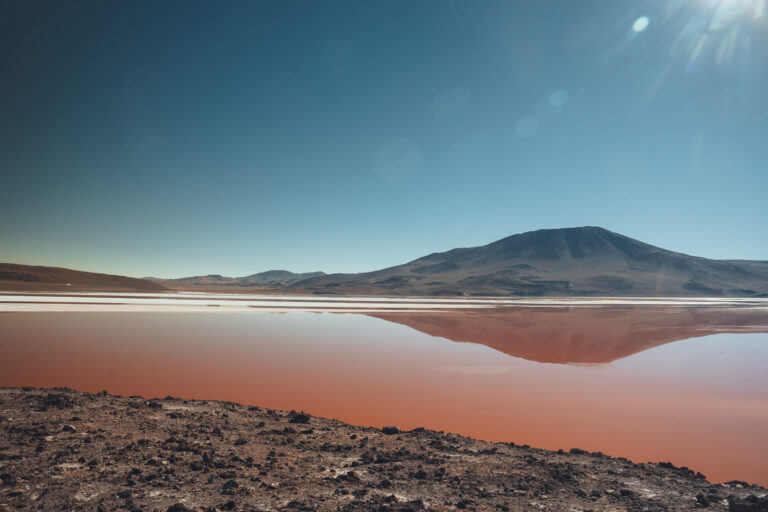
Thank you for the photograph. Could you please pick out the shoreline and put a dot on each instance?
(61, 448)
(214, 302)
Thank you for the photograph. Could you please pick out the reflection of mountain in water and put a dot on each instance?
(582, 334)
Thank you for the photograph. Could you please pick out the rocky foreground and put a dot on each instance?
(65, 450)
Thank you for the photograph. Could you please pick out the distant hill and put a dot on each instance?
(585, 261)
(263, 281)
(15, 277)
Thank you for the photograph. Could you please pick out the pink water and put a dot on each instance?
(700, 402)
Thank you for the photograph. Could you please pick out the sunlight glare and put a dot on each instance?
(717, 32)
(641, 23)
(728, 11)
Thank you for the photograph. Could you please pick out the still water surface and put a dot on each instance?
(685, 384)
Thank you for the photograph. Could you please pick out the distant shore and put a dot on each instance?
(62, 449)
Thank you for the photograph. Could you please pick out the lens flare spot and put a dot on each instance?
(641, 23)
(558, 98)
(527, 127)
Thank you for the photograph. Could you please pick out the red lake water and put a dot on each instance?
(686, 384)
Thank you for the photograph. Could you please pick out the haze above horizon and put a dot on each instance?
(173, 139)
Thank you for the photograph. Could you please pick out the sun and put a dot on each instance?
(727, 12)
(716, 33)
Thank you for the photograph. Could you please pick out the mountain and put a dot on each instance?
(584, 261)
(582, 334)
(263, 281)
(15, 277)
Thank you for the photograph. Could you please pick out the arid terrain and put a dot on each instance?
(64, 450)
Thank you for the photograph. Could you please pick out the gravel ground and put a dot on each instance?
(65, 450)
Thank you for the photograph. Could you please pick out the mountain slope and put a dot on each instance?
(584, 261)
(15, 277)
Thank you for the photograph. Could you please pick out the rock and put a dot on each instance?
(350, 476)
(749, 504)
(230, 487)
(179, 507)
(58, 400)
(391, 430)
(298, 417)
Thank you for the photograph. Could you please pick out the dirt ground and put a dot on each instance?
(65, 450)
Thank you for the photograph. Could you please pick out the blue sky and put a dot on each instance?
(182, 138)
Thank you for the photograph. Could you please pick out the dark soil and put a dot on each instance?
(65, 450)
